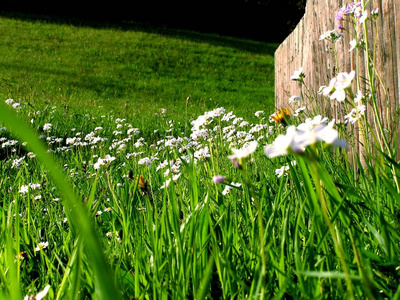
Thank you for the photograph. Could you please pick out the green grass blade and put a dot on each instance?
(78, 216)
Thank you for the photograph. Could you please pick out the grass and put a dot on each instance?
(95, 208)
(132, 69)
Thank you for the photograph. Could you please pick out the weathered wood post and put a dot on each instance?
(303, 48)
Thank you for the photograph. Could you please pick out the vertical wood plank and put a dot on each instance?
(302, 48)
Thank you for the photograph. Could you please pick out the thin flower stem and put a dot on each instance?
(260, 225)
(377, 119)
(318, 186)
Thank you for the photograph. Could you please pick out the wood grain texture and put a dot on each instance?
(303, 48)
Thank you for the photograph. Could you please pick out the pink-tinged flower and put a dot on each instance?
(218, 179)
(340, 14)
(350, 9)
(235, 162)
(363, 17)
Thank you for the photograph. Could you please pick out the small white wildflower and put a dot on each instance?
(40, 295)
(166, 184)
(244, 152)
(298, 75)
(353, 44)
(259, 113)
(34, 186)
(282, 171)
(294, 99)
(41, 246)
(296, 140)
(228, 188)
(47, 127)
(23, 189)
(202, 154)
(355, 113)
(332, 36)
(17, 163)
(298, 111)
(145, 161)
(31, 155)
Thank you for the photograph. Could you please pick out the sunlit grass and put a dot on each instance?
(205, 207)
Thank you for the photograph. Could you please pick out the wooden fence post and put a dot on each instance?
(303, 48)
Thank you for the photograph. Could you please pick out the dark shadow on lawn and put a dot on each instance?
(158, 27)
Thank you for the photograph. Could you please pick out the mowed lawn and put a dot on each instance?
(132, 70)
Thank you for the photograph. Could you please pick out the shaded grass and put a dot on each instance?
(132, 69)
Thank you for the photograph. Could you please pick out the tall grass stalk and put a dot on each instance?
(214, 207)
(79, 220)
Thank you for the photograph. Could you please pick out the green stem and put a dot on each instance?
(324, 209)
(260, 225)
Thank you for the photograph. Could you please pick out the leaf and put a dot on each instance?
(77, 215)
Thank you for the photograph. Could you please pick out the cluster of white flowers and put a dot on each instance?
(237, 134)
(202, 154)
(355, 114)
(18, 162)
(7, 143)
(338, 86)
(47, 127)
(106, 161)
(24, 189)
(332, 36)
(146, 161)
(298, 138)
(15, 105)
